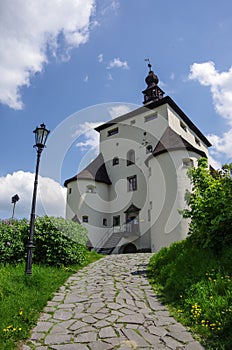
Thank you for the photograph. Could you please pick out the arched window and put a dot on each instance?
(130, 157)
(91, 189)
(115, 161)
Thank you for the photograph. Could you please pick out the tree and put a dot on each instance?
(210, 206)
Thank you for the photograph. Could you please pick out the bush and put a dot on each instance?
(198, 286)
(13, 237)
(57, 241)
(210, 206)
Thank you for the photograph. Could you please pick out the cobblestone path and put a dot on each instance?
(109, 305)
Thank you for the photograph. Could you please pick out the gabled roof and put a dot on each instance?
(96, 171)
(132, 208)
(153, 105)
(171, 141)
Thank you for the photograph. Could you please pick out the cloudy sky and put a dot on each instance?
(73, 64)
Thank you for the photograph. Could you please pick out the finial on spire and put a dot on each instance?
(153, 91)
(149, 64)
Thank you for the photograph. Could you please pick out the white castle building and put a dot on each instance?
(129, 197)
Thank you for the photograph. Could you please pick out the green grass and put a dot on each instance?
(23, 297)
(196, 285)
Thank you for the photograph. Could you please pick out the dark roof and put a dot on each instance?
(152, 105)
(132, 208)
(171, 141)
(96, 171)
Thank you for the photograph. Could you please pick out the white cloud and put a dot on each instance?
(50, 197)
(221, 89)
(100, 58)
(117, 111)
(86, 78)
(117, 63)
(89, 135)
(110, 77)
(29, 30)
(220, 86)
(88, 138)
(108, 6)
(172, 76)
(222, 145)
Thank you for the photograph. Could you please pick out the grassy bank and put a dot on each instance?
(22, 297)
(197, 287)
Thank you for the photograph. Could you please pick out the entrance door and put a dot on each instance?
(132, 219)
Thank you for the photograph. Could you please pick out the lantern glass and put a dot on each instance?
(41, 134)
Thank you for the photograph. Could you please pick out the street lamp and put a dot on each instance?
(41, 134)
(14, 199)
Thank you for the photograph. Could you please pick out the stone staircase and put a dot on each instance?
(111, 243)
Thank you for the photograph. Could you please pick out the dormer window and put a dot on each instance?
(148, 118)
(197, 141)
(91, 189)
(183, 126)
(112, 132)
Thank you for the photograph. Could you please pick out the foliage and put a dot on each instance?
(210, 206)
(21, 300)
(57, 241)
(13, 236)
(198, 288)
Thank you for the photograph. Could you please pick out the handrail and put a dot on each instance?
(104, 239)
(126, 227)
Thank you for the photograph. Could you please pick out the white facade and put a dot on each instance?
(129, 197)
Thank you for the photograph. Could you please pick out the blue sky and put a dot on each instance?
(72, 64)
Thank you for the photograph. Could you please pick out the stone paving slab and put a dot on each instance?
(109, 305)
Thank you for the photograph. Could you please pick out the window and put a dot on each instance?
(183, 126)
(116, 220)
(104, 222)
(132, 183)
(113, 132)
(85, 218)
(149, 215)
(148, 118)
(115, 161)
(197, 141)
(187, 163)
(69, 190)
(91, 189)
(130, 157)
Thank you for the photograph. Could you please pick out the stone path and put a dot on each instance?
(109, 305)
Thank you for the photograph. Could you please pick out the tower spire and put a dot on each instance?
(149, 63)
(153, 91)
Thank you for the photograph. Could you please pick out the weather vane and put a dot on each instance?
(149, 64)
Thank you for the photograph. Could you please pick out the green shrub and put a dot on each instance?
(210, 206)
(57, 241)
(198, 285)
(13, 236)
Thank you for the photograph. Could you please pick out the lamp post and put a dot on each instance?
(14, 199)
(41, 134)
